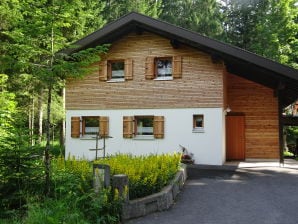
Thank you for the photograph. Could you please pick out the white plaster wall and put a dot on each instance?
(207, 147)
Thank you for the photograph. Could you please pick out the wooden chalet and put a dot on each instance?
(161, 86)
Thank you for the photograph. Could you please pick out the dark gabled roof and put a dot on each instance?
(237, 60)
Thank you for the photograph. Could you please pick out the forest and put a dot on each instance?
(33, 70)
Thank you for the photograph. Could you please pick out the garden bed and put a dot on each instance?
(156, 202)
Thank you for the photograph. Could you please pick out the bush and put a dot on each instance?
(73, 199)
(147, 174)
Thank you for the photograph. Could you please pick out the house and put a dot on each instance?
(161, 86)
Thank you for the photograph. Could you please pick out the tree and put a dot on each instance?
(114, 9)
(202, 16)
(32, 42)
(266, 27)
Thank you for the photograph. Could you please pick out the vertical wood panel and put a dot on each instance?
(149, 68)
(104, 126)
(103, 71)
(177, 67)
(235, 132)
(128, 126)
(158, 127)
(75, 127)
(128, 67)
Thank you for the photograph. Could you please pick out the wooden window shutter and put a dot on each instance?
(128, 72)
(128, 130)
(177, 67)
(75, 127)
(158, 126)
(103, 71)
(104, 126)
(149, 68)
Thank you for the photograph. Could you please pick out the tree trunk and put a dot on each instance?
(32, 123)
(40, 116)
(29, 123)
(48, 144)
(62, 126)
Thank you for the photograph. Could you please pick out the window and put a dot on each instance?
(143, 127)
(89, 126)
(116, 70)
(198, 123)
(163, 68)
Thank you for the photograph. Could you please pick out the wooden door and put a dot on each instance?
(235, 137)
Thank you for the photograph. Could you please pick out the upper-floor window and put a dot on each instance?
(163, 68)
(116, 70)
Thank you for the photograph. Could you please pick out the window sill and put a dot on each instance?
(198, 130)
(144, 137)
(163, 78)
(88, 137)
(116, 80)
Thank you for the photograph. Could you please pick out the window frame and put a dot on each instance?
(156, 73)
(130, 127)
(105, 70)
(78, 124)
(151, 68)
(136, 119)
(196, 128)
(110, 70)
(83, 131)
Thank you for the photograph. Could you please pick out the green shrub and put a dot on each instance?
(73, 199)
(84, 209)
(147, 174)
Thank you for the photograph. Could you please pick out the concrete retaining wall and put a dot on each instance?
(155, 202)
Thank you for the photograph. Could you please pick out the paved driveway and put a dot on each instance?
(240, 196)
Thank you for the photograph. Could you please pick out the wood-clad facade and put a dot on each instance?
(260, 108)
(199, 85)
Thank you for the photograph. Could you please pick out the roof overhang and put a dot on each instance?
(238, 61)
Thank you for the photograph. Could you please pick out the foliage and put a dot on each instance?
(147, 174)
(288, 154)
(117, 8)
(266, 27)
(202, 16)
(292, 134)
(20, 169)
(72, 200)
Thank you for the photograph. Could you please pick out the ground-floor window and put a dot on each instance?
(143, 126)
(88, 126)
(198, 123)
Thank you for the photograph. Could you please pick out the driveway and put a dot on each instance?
(254, 195)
